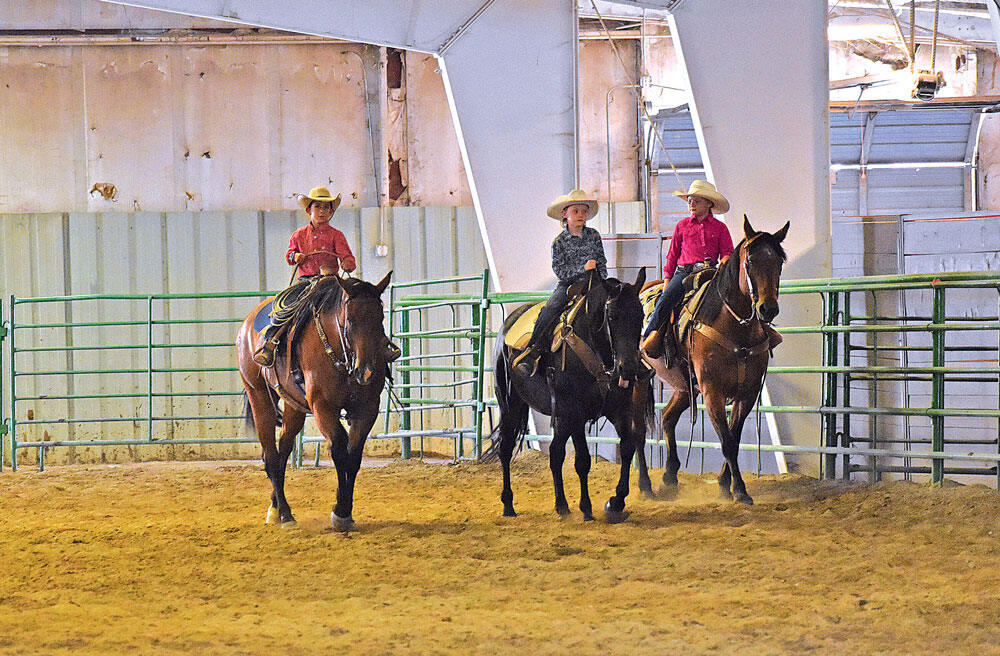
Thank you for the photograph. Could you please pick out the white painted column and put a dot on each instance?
(759, 83)
(508, 69)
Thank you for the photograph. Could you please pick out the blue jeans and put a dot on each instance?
(671, 296)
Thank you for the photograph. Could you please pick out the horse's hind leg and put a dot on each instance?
(557, 456)
(582, 463)
(275, 464)
(678, 403)
(512, 417)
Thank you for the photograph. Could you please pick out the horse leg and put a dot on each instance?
(581, 460)
(346, 449)
(557, 455)
(741, 410)
(629, 440)
(276, 463)
(645, 484)
(510, 419)
(678, 403)
(715, 404)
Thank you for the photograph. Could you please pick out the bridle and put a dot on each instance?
(751, 288)
(347, 362)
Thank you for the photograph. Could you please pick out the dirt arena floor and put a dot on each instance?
(174, 558)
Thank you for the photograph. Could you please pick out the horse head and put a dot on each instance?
(760, 260)
(360, 328)
(625, 325)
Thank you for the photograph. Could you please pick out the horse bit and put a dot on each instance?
(349, 364)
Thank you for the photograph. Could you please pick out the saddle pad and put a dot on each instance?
(519, 334)
(263, 318)
(648, 298)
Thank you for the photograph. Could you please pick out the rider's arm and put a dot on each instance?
(673, 253)
(725, 242)
(293, 248)
(343, 251)
(602, 259)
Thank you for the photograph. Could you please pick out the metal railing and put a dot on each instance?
(444, 338)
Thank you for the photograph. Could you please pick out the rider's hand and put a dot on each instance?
(590, 265)
(298, 257)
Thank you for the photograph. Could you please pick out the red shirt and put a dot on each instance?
(308, 239)
(697, 239)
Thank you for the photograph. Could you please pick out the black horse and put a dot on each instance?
(594, 372)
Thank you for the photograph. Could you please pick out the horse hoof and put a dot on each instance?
(612, 516)
(272, 516)
(341, 523)
(509, 512)
(291, 523)
(647, 492)
(589, 517)
(562, 512)
(669, 492)
(744, 498)
(725, 495)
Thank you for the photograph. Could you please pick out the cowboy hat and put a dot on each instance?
(321, 194)
(575, 197)
(705, 189)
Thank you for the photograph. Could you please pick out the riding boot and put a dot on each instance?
(527, 363)
(653, 344)
(264, 356)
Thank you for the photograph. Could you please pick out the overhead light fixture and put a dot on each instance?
(926, 84)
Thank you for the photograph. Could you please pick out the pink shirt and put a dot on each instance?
(308, 239)
(697, 239)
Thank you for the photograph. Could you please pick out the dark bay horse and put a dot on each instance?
(727, 349)
(574, 385)
(337, 341)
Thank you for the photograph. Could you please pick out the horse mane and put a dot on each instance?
(729, 275)
(327, 296)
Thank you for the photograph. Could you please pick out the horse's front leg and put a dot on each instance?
(275, 464)
(715, 405)
(678, 403)
(630, 437)
(346, 454)
(738, 416)
(582, 462)
(557, 456)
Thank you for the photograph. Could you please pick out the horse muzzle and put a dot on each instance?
(363, 376)
(768, 310)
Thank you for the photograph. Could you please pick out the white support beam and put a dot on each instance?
(764, 138)
(508, 73)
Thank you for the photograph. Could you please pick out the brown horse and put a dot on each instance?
(337, 342)
(727, 351)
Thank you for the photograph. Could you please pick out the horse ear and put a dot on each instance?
(383, 283)
(640, 279)
(780, 235)
(748, 230)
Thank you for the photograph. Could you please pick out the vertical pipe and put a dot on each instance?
(937, 385)
(12, 425)
(404, 327)
(873, 401)
(830, 398)
(3, 417)
(901, 270)
(845, 435)
(998, 389)
(576, 96)
(480, 360)
(149, 368)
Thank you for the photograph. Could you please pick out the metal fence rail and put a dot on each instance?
(911, 362)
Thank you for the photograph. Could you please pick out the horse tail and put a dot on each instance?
(515, 416)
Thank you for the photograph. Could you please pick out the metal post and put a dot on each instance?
(937, 385)
(12, 424)
(149, 368)
(388, 397)
(845, 436)
(830, 398)
(479, 360)
(3, 417)
(404, 376)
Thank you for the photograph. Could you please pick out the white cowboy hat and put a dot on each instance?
(575, 197)
(705, 189)
(321, 194)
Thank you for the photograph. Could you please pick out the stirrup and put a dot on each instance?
(653, 344)
(264, 356)
(523, 366)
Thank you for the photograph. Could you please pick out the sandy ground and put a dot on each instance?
(167, 558)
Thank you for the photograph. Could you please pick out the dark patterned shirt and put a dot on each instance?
(570, 253)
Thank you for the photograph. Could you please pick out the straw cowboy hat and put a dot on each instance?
(705, 189)
(321, 194)
(575, 197)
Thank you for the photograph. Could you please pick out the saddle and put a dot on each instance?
(286, 374)
(679, 316)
